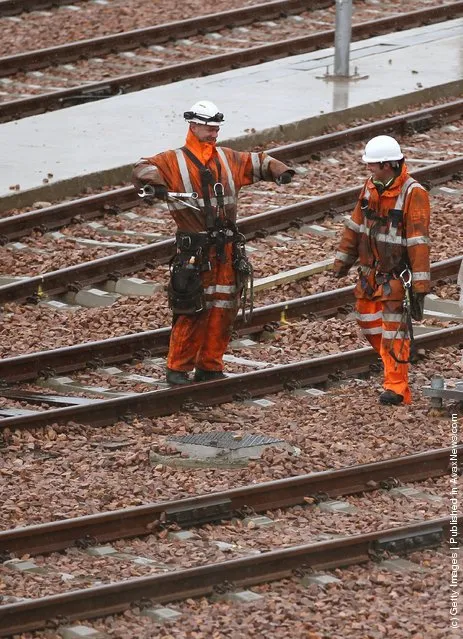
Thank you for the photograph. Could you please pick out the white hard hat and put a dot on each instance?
(204, 112)
(382, 148)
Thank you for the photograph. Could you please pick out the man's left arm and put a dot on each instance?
(255, 167)
(417, 237)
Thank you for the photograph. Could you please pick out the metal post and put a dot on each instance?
(342, 37)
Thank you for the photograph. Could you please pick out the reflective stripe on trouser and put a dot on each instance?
(380, 323)
(201, 340)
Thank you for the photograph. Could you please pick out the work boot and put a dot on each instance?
(207, 376)
(390, 397)
(177, 377)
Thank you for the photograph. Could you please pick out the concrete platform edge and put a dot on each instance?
(296, 131)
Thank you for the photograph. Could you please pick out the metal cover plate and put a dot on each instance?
(230, 441)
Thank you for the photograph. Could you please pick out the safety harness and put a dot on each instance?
(402, 271)
(219, 231)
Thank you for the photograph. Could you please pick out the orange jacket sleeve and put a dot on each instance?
(254, 167)
(347, 252)
(417, 216)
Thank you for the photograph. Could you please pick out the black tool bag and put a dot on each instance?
(244, 275)
(416, 306)
(185, 290)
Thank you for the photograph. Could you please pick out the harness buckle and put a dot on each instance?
(185, 242)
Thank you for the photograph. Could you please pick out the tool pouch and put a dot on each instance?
(416, 305)
(244, 275)
(185, 290)
(241, 265)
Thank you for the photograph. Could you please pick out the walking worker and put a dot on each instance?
(388, 233)
(210, 271)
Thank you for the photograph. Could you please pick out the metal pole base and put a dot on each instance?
(329, 77)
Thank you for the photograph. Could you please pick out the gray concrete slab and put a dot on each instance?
(96, 143)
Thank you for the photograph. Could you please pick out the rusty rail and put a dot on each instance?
(214, 64)
(194, 582)
(161, 252)
(57, 216)
(128, 40)
(245, 386)
(193, 511)
(155, 342)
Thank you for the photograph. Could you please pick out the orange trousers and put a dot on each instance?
(200, 340)
(381, 323)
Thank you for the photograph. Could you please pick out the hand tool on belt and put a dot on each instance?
(148, 191)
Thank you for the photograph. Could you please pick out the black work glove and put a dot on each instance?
(417, 305)
(158, 191)
(285, 177)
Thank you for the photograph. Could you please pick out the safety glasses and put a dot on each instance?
(189, 115)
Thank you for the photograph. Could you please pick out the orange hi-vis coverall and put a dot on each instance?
(200, 340)
(387, 232)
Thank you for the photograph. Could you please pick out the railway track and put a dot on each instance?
(116, 85)
(54, 217)
(260, 566)
(219, 506)
(106, 600)
(73, 51)
(33, 289)
(96, 355)
(240, 387)
(154, 565)
(154, 343)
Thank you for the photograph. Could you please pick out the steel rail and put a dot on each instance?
(244, 386)
(194, 582)
(16, 109)
(114, 43)
(59, 215)
(151, 343)
(218, 506)
(14, 7)
(99, 270)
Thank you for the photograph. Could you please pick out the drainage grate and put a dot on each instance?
(230, 441)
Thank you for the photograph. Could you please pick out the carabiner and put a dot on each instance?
(218, 189)
(406, 273)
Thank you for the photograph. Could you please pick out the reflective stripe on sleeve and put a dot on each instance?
(418, 239)
(146, 170)
(358, 228)
(256, 174)
(265, 168)
(421, 275)
(344, 257)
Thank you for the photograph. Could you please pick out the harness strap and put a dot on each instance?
(207, 182)
(405, 320)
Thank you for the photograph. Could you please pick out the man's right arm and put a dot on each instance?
(145, 172)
